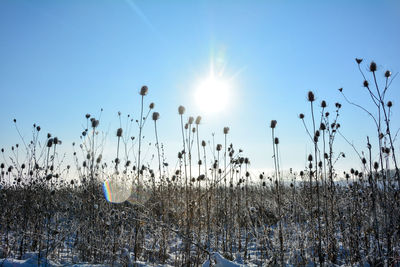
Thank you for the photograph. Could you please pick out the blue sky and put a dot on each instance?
(62, 59)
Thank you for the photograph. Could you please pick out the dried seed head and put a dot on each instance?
(389, 104)
(151, 106)
(340, 89)
(226, 130)
(273, 124)
(87, 116)
(322, 126)
(38, 128)
(144, 90)
(388, 74)
(359, 60)
(50, 142)
(94, 122)
(276, 141)
(198, 120)
(181, 110)
(310, 158)
(156, 116)
(190, 120)
(372, 66)
(301, 116)
(366, 84)
(310, 96)
(323, 104)
(376, 165)
(301, 173)
(364, 161)
(219, 147)
(119, 132)
(203, 143)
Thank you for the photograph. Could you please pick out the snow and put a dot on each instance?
(217, 259)
(221, 261)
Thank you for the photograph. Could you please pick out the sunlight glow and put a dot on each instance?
(212, 95)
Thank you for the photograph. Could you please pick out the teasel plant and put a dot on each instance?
(381, 118)
(277, 182)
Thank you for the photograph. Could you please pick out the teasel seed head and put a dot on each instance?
(389, 104)
(301, 116)
(198, 120)
(190, 120)
(310, 157)
(203, 143)
(388, 74)
(156, 116)
(364, 161)
(181, 110)
(365, 83)
(144, 90)
(119, 132)
(151, 106)
(94, 122)
(340, 89)
(276, 141)
(219, 147)
(226, 130)
(186, 126)
(273, 124)
(50, 142)
(359, 60)
(376, 165)
(372, 66)
(310, 96)
(323, 104)
(322, 126)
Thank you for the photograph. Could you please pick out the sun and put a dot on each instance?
(212, 95)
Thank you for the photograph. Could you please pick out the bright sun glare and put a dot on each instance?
(212, 95)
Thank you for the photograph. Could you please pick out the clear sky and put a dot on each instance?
(62, 59)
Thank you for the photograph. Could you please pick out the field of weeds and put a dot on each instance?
(210, 209)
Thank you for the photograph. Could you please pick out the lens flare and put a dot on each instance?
(119, 190)
(116, 191)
